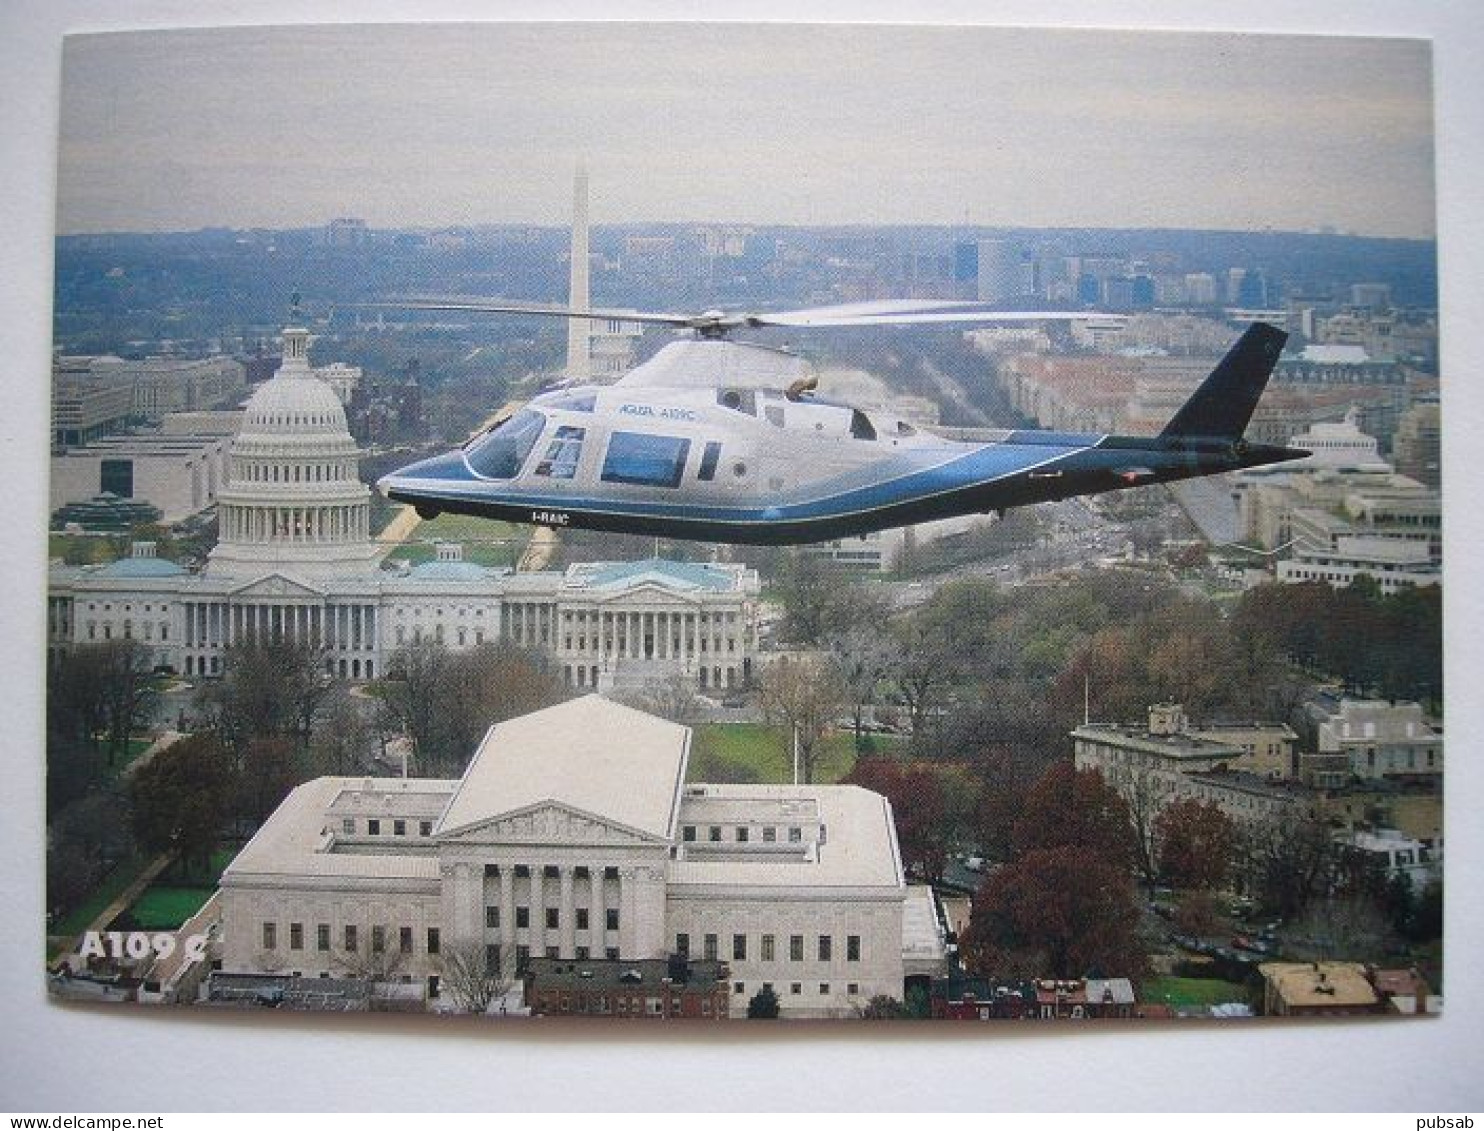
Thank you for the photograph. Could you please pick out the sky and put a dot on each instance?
(418, 125)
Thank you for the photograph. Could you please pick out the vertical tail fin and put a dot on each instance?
(1224, 403)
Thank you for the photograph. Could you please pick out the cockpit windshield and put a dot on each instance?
(501, 452)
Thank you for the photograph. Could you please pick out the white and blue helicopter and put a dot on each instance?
(722, 441)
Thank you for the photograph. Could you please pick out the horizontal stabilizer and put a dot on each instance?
(1224, 403)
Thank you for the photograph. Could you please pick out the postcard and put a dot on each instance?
(707, 524)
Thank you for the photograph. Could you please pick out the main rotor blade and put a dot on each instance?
(908, 318)
(593, 314)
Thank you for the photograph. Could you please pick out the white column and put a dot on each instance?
(507, 915)
(597, 916)
(568, 912)
(537, 930)
(626, 912)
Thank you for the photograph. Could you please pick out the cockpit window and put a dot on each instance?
(501, 452)
(570, 400)
(860, 425)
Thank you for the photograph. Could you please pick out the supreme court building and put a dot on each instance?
(573, 834)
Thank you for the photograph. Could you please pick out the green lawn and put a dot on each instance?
(756, 752)
(1192, 992)
(166, 908)
(485, 542)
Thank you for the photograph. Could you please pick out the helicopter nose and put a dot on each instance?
(450, 465)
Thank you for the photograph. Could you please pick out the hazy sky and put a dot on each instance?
(446, 124)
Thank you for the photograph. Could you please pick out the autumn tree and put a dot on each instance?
(1061, 912)
(1077, 808)
(1195, 841)
(803, 693)
(932, 804)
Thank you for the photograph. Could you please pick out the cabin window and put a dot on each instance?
(645, 460)
(709, 459)
(500, 452)
(560, 461)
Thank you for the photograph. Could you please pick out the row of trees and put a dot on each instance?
(273, 720)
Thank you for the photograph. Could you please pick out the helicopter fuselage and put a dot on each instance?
(738, 462)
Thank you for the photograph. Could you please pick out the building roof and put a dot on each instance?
(297, 838)
(1320, 985)
(140, 567)
(861, 851)
(622, 575)
(641, 974)
(448, 571)
(590, 754)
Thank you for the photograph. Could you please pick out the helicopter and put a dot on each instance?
(717, 440)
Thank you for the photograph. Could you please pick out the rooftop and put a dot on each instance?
(590, 754)
(1320, 984)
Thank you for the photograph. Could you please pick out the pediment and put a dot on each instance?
(653, 588)
(277, 585)
(547, 823)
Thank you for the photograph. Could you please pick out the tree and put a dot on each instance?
(343, 740)
(1195, 844)
(671, 697)
(1071, 807)
(181, 798)
(444, 701)
(378, 963)
(1061, 912)
(1289, 861)
(763, 1005)
(932, 804)
(921, 669)
(472, 980)
(803, 692)
(1339, 928)
(105, 688)
(863, 655)
(270, 688)
(805, 583)
(884, 1007)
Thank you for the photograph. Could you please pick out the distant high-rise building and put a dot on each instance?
(1200, 288)
(966, 262)
(1417, 446)
(1001, 274)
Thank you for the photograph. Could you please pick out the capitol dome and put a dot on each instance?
(294, 501)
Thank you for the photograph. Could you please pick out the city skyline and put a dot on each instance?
(462, 124)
